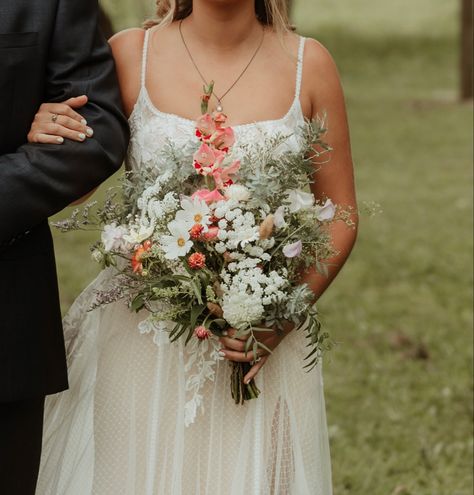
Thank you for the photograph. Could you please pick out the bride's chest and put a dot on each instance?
(153, 131)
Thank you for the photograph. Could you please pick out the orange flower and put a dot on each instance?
(197, 261)
(137, 257)
(196, 231)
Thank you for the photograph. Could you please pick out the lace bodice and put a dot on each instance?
(151, 128)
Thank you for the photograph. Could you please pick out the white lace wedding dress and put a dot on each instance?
(146, 417)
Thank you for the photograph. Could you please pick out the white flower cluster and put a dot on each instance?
(237, 227)
(247, 290)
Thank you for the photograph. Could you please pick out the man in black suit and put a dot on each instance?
(50, 51)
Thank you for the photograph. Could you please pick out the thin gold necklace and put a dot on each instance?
(219, 99)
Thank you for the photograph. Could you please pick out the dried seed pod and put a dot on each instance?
(217, 289)
(266, 227)
(215, 309)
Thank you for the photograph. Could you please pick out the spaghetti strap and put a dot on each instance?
(299, 67)
(145, 57)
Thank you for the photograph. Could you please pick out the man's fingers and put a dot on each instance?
(252, 373)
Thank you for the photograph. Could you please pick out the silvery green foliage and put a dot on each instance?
(268, 171)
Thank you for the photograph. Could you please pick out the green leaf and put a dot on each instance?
(137, 303)
(196, 311)
(263, 346)
(197, 288)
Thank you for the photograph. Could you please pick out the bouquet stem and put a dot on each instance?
(240, 391)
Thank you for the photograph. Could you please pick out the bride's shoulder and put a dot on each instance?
(127, 50)
(317, 56)
(320, 72)
(127, 43)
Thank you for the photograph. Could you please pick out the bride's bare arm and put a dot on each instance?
(335, 179)
(322, 93)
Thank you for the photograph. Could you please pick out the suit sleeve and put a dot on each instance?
(38, 180)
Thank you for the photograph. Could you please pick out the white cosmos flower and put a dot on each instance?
(177, 244)
(299, 200)
(136, 236)
(194, 211)
(327, 211)
(293, 250)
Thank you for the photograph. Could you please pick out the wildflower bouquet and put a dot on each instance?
(219, 241)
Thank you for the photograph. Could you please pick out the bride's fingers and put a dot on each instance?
(241, 357)
(232, 332)
(54, 129)
(232, 343)
(252, 373)
(66, 122)
(47, 139)
(51, 109)
(77, 101)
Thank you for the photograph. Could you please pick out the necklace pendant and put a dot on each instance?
(219, 108)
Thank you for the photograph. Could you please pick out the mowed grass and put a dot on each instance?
(399, 383)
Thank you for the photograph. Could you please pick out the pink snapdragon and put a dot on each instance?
(205, 127)
(223, 138)
(206, 159)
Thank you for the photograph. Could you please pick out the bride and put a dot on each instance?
(120, 428)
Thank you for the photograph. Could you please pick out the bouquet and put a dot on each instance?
(220, 241)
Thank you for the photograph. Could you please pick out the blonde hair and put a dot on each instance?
(272, 13)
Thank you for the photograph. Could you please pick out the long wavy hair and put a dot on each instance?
(272, 13)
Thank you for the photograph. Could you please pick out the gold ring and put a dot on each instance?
(54, 117)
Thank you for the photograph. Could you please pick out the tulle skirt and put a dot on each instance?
(147, 417)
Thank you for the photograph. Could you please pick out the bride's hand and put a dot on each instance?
(55, 122)
(234, 348)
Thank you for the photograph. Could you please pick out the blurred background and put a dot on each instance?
(399, 382)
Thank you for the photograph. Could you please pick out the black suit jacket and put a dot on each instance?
(50, 50)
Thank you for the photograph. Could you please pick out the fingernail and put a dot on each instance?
(82, 136)
(225, 333)
(89, 132)
(247, 381)
(60, 140)
(84, 122)
(221, 353)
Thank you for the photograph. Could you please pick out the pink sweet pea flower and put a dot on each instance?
(211, 233)
(208, 196)
(293, 250)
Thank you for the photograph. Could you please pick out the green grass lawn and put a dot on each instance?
(399, 384)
